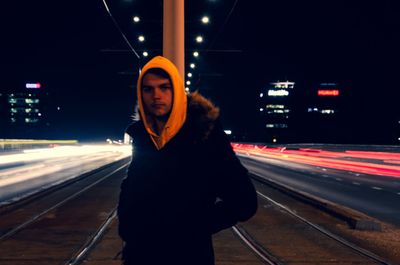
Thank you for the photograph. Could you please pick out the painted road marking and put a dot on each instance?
(377, 188)
(338, 179)
(356, 183)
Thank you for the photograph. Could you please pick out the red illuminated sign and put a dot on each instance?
(328, 93)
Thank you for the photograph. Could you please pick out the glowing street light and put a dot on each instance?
(196, 54)
(136, 19)
(199, 39)
(187, 89)
(189, 74)
(141, 38)
(188, 83)
(205, 20)
(145, 54)
(192, 65)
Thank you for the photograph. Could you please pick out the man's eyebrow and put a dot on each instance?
(167, 83)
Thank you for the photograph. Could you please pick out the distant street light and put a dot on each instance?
(199, 39)
(195, 54)
(136, 19)
(189, 75)
(141, 38)
(192, 65)
(188, 83)
(145, 54)
(205, 20)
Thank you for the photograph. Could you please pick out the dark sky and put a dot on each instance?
(61, 44)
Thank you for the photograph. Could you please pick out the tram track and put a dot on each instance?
(279, 235)
(62, 221)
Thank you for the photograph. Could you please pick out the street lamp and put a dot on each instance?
(136, 19)
(205, 20)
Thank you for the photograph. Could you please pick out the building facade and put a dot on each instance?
(276, 110)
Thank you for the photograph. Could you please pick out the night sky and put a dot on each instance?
(77, 53)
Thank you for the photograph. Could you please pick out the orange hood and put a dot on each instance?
(179, 105)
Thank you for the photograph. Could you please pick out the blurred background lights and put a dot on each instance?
(188, 83)
(136, 19)
(145, 54)
(141, 38)
(196, 54)
(189, 74)
(192, 65)
(199, 39)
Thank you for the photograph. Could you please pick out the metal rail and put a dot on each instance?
(261, 252)
(88, 246)
(39, 215)
(337, 238)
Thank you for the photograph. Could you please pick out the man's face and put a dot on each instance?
(157, 95)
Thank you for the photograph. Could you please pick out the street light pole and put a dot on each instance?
(174, 33)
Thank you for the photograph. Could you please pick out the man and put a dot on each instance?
(184, 182)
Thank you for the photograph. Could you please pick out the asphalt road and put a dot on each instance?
(375, 195)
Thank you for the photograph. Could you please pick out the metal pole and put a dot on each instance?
(174, 33)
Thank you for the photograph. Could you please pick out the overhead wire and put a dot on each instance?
(223, 25)
(220, 31)
(120, 30)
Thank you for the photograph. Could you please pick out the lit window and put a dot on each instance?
(278, 93)
(273, 106)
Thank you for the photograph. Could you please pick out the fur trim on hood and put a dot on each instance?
(202, 115)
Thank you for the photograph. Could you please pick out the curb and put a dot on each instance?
(356, 220)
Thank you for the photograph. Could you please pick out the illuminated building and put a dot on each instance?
(324, 120)
(325, 99)
(22, 110)
(275, 110)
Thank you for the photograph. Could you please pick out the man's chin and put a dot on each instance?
(162, 116)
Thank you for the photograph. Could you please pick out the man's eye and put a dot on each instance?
(146, 89)
(165, 87)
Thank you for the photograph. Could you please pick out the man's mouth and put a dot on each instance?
(157, 105)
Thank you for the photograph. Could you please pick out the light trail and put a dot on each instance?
(384, 164)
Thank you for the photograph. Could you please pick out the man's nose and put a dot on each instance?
(156, 92)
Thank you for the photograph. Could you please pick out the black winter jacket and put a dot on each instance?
(175, 198)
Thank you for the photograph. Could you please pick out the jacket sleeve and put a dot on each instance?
(236, 196)
(124, 209)
(124, 204)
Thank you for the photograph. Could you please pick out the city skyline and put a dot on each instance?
(78, 55)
